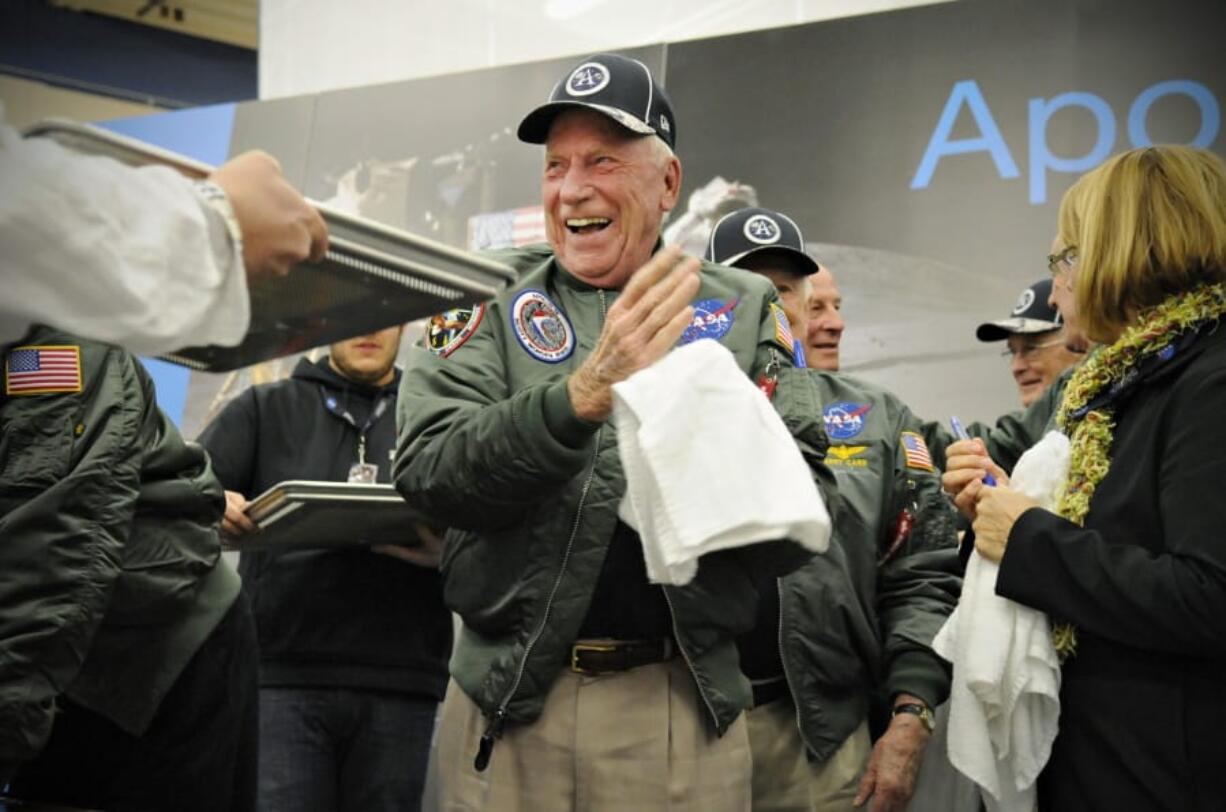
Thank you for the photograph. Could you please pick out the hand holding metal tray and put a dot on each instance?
(303, 514)
(373, 276)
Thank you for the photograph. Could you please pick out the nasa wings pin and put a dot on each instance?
(446, 332)
(541, 327)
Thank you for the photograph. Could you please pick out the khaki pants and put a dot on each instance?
(785, 780)
(637, 740)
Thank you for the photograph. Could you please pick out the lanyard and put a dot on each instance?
(333, 405)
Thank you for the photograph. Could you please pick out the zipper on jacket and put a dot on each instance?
(787, 678)
(672, 614)
(493, 730)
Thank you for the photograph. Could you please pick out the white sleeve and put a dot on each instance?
(134, 257)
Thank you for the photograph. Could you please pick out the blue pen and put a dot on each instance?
(960, 433)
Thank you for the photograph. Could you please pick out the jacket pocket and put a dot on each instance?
(485, 578)
(35, 453)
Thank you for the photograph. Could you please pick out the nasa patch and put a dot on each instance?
(712, 319)
(762, 229)
(588, 78)
(446, 332)
(542, 329)
(845, 419)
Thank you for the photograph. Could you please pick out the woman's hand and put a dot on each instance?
(966, 463)
(997, 508)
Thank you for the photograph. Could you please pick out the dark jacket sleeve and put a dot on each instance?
(69, 484)
(1012, 434)
(797, 399)
(471, 454)
(232, 440)
(919, 580)
(1173, 601)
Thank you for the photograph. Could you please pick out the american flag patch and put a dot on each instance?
(42, 370)
(783, 333)
(916, 451)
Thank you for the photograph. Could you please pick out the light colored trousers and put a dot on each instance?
(785, 780)
(637, 740)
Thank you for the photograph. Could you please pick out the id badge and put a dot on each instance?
(363, 473)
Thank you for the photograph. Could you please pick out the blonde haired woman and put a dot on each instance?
(1132, 569)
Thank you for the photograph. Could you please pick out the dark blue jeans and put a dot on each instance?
(328, 749)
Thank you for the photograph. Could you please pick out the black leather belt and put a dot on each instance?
(609, 656)
(768, 691)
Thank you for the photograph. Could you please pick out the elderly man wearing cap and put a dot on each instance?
(860, 618)
(575, 682)
(1036, 343)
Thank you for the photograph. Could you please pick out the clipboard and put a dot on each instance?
(373, 276)
(301, 514)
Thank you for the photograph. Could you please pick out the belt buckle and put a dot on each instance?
(578, 647)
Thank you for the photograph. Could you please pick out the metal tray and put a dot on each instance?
(373, 277)
(304, 514)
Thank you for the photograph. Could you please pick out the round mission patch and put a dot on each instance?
(447, 331)
(541, 327)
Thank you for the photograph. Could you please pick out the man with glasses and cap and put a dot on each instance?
(576, 683)
(1012, 434)
(863, 615)
(1034, 333)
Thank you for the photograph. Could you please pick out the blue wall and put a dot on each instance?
(202, 133)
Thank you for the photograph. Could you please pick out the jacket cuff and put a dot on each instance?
(560, 419)
(1022, 565)
(921, 673)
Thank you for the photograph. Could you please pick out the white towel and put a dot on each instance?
(1005, 698)
(709, 464)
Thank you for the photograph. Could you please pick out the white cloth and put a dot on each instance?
(709, 464)
(1005, 697)
(127, 256)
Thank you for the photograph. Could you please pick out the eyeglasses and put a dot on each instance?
(1067, 258)
(1030, 350)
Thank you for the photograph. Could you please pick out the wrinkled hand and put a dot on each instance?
(997, 509)
(966, 462)
(235, 522)
(427, 554)
(641, 327)
(279, 227)
(894, 765)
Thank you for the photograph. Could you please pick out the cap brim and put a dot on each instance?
(534, 129)
(807, 262)
(1000, 330)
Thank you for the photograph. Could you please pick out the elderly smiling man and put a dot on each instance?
(576, 683)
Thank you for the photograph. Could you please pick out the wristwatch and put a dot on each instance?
(916, 709)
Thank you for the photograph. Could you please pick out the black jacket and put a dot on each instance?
(111, 574)
(1142, 712)
(342, 617)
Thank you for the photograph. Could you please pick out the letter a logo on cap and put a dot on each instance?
(762, 230)
(1023, 302)
(588, 78)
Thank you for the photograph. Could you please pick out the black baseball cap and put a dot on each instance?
(1031, 314)
(617, 86)
(753, 231)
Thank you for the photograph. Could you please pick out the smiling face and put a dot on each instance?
(1036, 360)
(825, 322)
(367, 359)
(605, 192)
